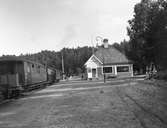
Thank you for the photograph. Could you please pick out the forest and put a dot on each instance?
(147, 31)
(148, 35)
(74, 59)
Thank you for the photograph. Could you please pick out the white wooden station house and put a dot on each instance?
(109, 61)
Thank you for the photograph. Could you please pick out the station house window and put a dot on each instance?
(123, 69)
(89, 70)
(107, 69)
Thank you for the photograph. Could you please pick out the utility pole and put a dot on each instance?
(104, 75)
(62, 60)
(103, 65)
(46, 64)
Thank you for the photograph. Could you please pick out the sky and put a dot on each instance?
(29, 26)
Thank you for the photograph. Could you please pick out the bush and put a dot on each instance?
(162, 75)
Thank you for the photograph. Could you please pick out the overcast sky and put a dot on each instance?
(29, 26)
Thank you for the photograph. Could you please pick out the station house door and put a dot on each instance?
(93, 72)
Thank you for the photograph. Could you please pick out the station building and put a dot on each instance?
(108, 61)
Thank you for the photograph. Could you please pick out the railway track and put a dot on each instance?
(37, 86)
(142, 123)
(16, 93)
(146, 117)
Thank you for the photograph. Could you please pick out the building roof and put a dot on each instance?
(111, 55)
(16, 59)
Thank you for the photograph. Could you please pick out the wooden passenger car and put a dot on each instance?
(54, 75)
(19, 73)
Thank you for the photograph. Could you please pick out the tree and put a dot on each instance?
(147, 32)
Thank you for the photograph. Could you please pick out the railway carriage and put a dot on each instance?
(54, 75)
(19, 74)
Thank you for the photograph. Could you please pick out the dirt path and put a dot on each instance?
(121, 104)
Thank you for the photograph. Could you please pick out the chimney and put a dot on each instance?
(105, 43)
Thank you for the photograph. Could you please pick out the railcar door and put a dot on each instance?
(27, 70)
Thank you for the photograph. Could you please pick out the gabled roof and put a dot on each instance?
(16, 59)
(111, 55)
(94, 59)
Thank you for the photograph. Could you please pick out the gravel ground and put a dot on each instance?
(118, 104)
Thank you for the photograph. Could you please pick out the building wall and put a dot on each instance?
(115, 72)
(99, 72)
(111, 74)
(92, 64)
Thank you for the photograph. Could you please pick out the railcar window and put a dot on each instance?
(28, 69)
(38, 69)
(34, 68)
